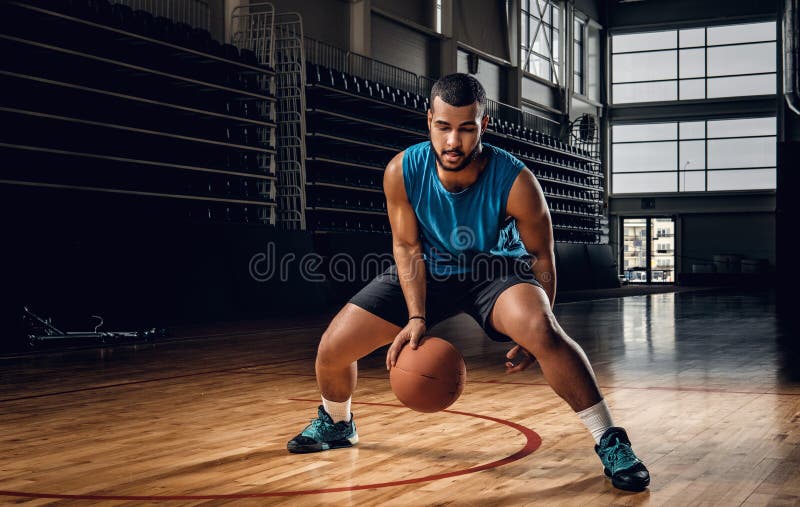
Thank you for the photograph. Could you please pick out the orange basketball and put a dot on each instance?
(430, 378)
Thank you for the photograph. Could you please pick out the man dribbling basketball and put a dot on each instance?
(471, 232)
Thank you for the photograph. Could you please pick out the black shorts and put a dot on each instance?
(474, 293)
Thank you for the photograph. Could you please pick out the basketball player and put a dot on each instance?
(471, 232)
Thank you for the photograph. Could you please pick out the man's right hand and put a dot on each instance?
(411, 334)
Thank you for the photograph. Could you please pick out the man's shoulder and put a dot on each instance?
(419, 149)
(416, 156)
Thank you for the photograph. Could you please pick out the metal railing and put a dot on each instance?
(331, 56)
(277, 41)
(290, 90)
(326, 54)
(251, 28)
(424, 85)
(540, 123)
(195, 13)
(501, 111)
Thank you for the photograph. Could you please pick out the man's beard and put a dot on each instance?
(467, 160)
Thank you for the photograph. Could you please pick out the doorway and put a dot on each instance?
(648, 250)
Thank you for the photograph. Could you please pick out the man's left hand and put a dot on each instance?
(527, 359)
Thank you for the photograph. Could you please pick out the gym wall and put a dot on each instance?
(401, 46)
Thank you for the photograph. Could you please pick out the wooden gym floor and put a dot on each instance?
(706, 384)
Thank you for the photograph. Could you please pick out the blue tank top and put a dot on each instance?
(456, 227)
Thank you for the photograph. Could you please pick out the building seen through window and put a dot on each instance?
(648, 257)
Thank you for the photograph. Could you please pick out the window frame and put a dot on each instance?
(678, 171)
(579, 26)
(677, 80)
(552, 32)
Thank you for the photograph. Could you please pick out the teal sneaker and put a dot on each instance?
(323, 434)
(620, 463)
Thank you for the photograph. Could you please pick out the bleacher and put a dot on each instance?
(355, 125)
(151, 116)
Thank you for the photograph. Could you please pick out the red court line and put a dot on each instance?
(532, 442)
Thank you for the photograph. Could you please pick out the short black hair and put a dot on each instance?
(460, 90)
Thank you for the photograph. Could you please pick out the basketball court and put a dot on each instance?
(204, 418)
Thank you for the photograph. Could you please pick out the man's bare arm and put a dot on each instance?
(407, 250)
(526, 203)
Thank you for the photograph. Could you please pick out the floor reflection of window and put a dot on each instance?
(649, 325)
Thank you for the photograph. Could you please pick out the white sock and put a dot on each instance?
(597, 419)
(339, 411)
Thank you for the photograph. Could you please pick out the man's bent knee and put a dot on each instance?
(539, 334)
(331, 353)
(341, 345)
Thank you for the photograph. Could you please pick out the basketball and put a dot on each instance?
(430, 378)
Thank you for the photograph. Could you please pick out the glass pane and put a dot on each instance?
(692, 181)
(526, 24)
(593, 64)
(662, 250)
(544, 8)
(554, 40)
(740, 86)
(540, 45)
(742, 127)
(634, 248)
(577, 58)
(645, 92)
(644, 41)
(556, 16)
(523, 58)
(746, 152)
(578, 31)
(644, 132)
(693, 63)
(645, 157)
(644, 66)
(540, 67)
(693, 89)
(747, 59)
(644, 183)
(692, 155)
(693, 37)
(732, 34)
(749, 179)
(578, 84)
(693, 129)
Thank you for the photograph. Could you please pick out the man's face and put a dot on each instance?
(455, 133)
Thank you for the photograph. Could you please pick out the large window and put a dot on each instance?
(540, 48)
(697, 63)
(578, 53)
(693, 156)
